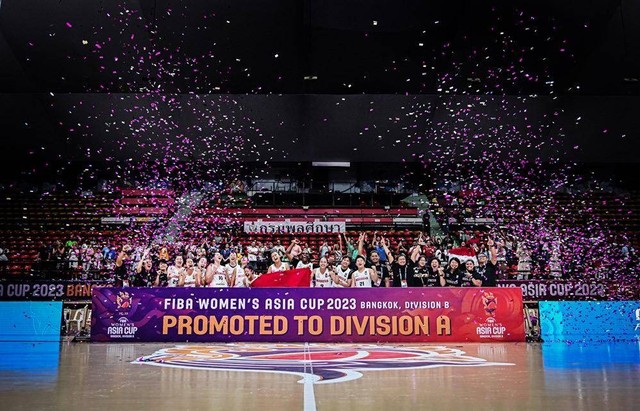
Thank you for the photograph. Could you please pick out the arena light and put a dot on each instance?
(346, 164)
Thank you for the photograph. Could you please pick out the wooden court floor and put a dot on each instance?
(83, 376)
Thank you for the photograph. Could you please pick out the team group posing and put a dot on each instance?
(414, 270)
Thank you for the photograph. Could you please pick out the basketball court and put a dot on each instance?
(319, 376)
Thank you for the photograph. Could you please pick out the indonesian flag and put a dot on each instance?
(299, 277)
(463, 254)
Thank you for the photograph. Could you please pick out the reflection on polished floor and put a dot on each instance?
(318, 376)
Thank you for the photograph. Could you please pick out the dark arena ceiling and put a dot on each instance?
(341, 47)
(355, 80)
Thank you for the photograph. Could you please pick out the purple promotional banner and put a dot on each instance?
(307, 314)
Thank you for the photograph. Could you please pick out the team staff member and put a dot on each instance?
(431, 275)
(452, 274)
(487, 268)
(162, 279)
(401, 272)
(144, 274)
(121, 276)
(470, 277)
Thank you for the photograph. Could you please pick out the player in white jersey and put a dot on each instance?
(342, 275)
(250, 274)
(322, 275)
(236, 273)
(174, 272)
(201, 270)
(277, 265)
(189, 278)
(304, 262)
(216, 273)
(363, 277)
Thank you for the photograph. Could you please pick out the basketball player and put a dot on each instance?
(251, 275)
(175, 271)
(188, 276)
(321, 275)
(298, 258)
(235, 273)
(305, 262)
(277, 265)
(379, 256)
(362, 276)
(216, 273)
(342, 276)
(201, 270)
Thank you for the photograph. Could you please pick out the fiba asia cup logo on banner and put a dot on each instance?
(123, 328)
(490, 328)
(326, 363)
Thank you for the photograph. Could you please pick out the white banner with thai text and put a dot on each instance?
(293, 227)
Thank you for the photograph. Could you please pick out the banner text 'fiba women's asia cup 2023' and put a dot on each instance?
(307, 315)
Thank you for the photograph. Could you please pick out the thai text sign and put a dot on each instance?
(307, 314)
(293, 227)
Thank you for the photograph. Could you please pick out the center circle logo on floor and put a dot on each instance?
(325, 363)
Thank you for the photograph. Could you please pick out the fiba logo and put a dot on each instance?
(123, 328)
(491, 329)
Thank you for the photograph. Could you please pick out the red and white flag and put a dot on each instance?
(299, 277)
(463, 254)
